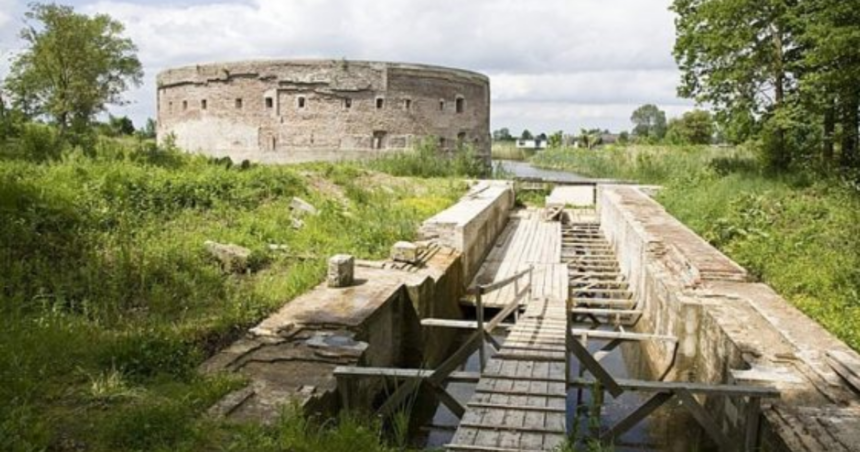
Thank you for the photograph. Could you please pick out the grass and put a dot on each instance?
(798, 231)
(108, 301)
(507, 150)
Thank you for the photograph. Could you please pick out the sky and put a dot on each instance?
(553, 64)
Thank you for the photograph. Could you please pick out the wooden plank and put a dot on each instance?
(637, 416)
(461, 324)
(695, 388)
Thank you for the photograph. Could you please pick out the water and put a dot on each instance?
(642, 437)
(525, 169)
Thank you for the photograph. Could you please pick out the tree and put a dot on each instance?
(693, 127)
(148, 131)
(740, 56)
(73, 67)
(556, 140)
(832, 71)
(120, 125)
(526, 135)
(650, 122)
(503, 134)
(623, 137)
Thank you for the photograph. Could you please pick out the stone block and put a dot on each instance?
(233, 258)
(405, 252)
(301, 207)
(341, 271)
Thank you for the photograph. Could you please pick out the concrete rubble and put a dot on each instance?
(233, 258)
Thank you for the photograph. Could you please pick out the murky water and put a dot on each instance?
(525, 169)
(643, 437)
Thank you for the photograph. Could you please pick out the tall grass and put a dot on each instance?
(798, 231)
(426, 160)
(108, 301)
(508, 150)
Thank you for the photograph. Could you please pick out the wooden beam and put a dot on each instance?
(601, 334)
(637, 416)
(461, 324)
(592, 365)
(695, 388)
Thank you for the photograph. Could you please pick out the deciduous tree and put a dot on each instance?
(650, 122)
(73, 67)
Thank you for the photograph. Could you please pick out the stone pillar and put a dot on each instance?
(341, 270)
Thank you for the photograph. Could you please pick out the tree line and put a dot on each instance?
(784, 74)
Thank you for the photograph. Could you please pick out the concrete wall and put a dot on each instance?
(292, 111)
(730, 330)
(472, 225)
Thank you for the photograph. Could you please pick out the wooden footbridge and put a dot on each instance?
(560, 283)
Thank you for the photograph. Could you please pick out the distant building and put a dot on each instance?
(531, 144)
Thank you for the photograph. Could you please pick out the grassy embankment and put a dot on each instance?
(108, 301)
(797, 231)
(509, 151)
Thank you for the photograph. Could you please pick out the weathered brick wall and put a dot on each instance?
(293, 111)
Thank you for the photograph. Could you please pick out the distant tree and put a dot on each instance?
(121, 125)
(649, 121)
(556, 140)
(503, 134)
(589, 139)
(526, 135)
(148, 131)
(623, 137)
(73, 66)
(541, 137)
(693, 127)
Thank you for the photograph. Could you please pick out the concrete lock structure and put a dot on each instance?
(288, 111)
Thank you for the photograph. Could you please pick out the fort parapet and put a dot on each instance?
(286, 111)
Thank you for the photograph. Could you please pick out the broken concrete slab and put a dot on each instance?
(405, 252)
(301, 207)
(233, 258)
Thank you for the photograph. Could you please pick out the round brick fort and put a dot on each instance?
(286, 111)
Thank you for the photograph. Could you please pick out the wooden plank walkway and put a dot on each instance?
(520, 400)
(526, 240)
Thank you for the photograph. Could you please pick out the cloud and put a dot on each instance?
(591, 60)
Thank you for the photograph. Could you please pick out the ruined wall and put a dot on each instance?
(294, 111)
(730, 330)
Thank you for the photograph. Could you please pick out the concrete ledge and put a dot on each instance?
(729, 329)
(472, 225)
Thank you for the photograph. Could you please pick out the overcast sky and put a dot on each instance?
(553, 64)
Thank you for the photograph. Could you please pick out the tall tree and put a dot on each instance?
(650, 122)
(832, 78)
(73, 67)
(526, 135)
(739, 56)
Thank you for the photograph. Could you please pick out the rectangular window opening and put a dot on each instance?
(380, 103)
(185, 105)
(442, 143)
(203, 104)
(461, 104)
(270, 103)
(379, 139)
(441, 105)
(239, 103)
(302, 102)
(407, 104)
(274, 143)
(347, 103)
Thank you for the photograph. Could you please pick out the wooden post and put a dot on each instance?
(479, 305)
(753, 412)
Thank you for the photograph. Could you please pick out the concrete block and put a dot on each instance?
(233, 258)
(405, 252)
(341, 271)
(301, 207)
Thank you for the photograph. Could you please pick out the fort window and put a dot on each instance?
(379, 139)
(461, 138)
(170, 107)
(203, 104)
(270, 103)
(302, 101)
(442, 143)
(380, 103)
(274, 143)
(185, 105)
(239, 103)
(407, 104)
(461, 104)
(347, 103)
(441, 105)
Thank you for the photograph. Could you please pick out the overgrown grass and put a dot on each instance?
(509, 151)
(426, 160)
(108, 301)
(797, 231)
